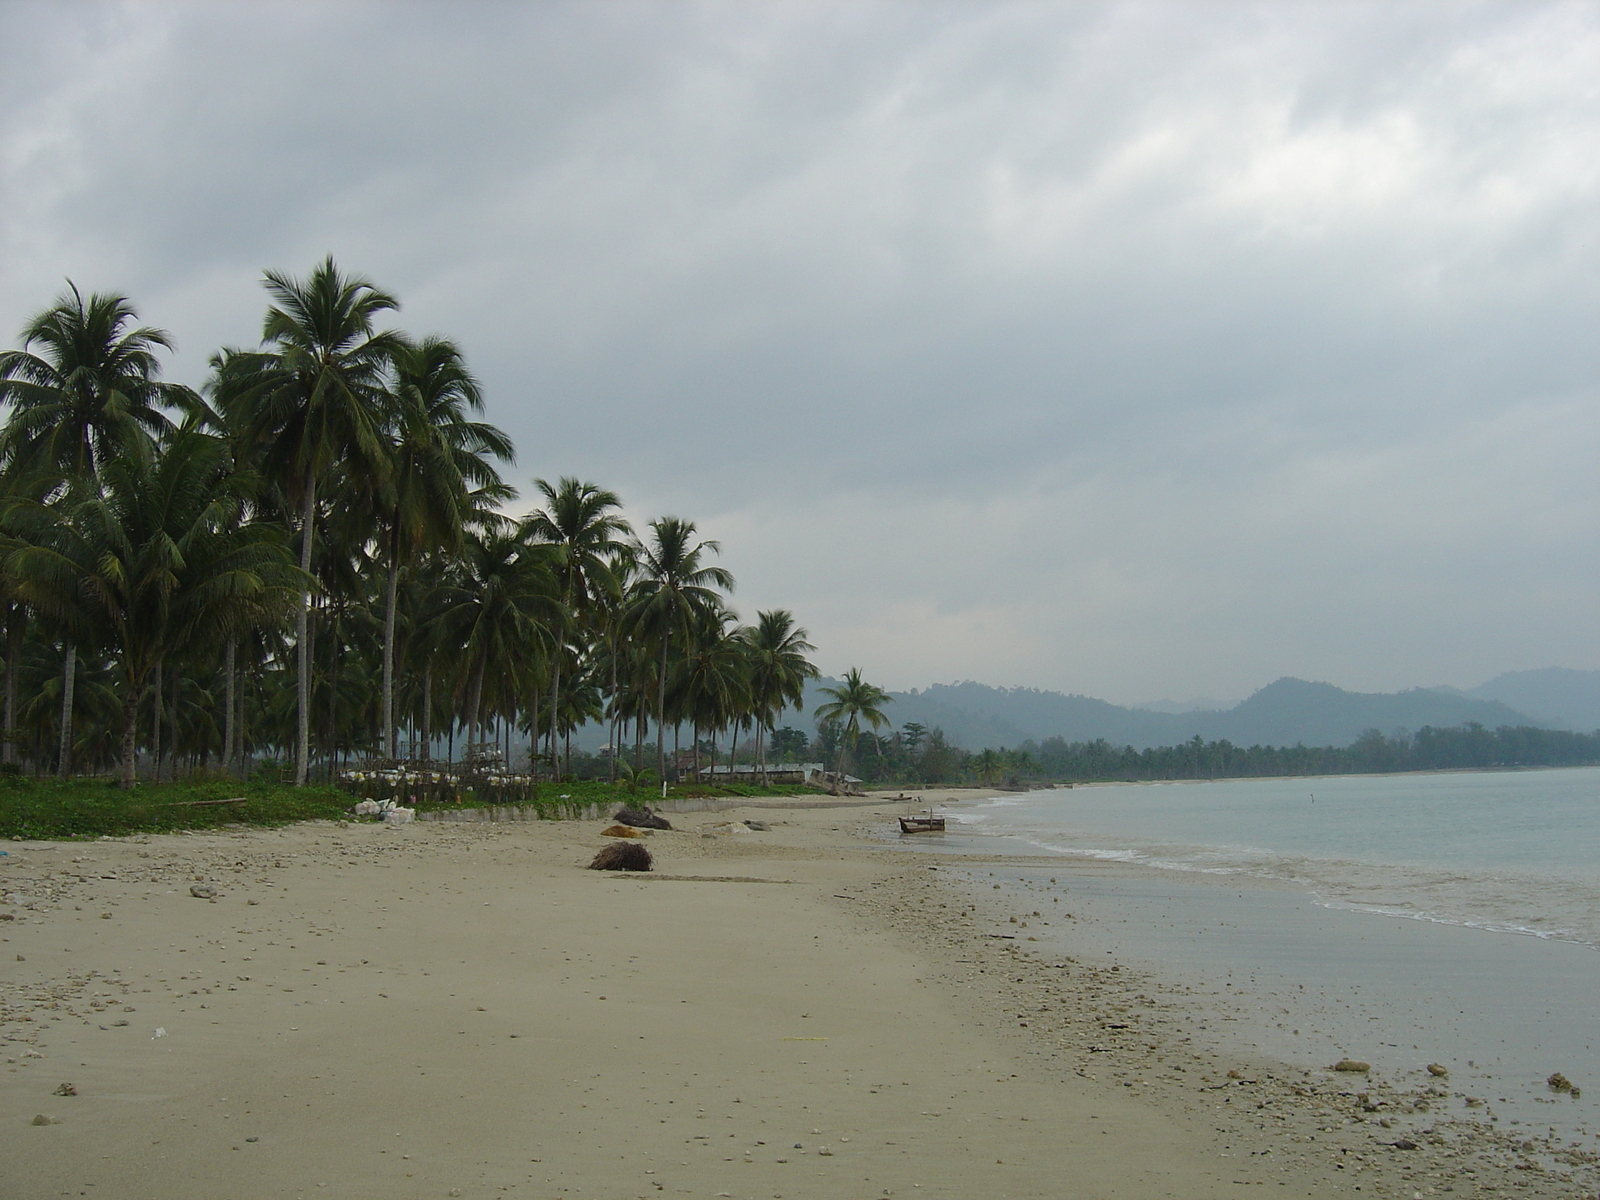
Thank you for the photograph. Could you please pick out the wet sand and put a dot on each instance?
(439, 1010)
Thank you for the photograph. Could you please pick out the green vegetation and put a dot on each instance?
(852, 703)
(1461, 748)
(309, 560)
(914, 755)
(49, 808)
(87, 808)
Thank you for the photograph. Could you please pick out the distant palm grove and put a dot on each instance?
(308, 560)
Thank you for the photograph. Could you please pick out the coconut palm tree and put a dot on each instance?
(439, 476)
(581, 525)
(496, 609)
(711, 687)
(776, 648)
(154, 557)
(84, 387)
(674, 586)
(853, 701)
(312, 398)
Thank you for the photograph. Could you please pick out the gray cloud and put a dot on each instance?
(1132, 349)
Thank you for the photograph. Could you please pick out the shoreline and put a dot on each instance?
(461, 1008)
(1211, 999)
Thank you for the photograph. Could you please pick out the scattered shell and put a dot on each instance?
(41, 1119)
(1350, 1064)
(1438, 1070)
(66, 1089)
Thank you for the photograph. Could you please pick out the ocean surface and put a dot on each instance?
(1402, 920)
(1514, 851)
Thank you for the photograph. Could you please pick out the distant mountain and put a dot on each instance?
(1286, 712)
(1292, 711)
(1555, 696)
(1198, 704)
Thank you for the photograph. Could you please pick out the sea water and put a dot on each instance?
(1402, 920)
(1513, 851)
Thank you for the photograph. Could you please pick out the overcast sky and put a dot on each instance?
(1138, 350)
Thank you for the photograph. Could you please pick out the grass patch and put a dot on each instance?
(90, 808)
(87, 808)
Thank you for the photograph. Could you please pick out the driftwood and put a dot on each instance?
(622, 856)
(641, 818)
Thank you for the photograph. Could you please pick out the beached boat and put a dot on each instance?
(927, 824)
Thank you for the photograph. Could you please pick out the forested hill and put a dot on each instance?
(1556, 696)
(1289, 711)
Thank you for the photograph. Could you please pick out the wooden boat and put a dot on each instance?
(927, 824)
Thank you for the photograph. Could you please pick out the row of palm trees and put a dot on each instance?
(310, 555)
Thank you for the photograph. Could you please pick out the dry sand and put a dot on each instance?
(462, 1010)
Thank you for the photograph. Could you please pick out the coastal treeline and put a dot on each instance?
(915, 754)
(1468, 746)
(313, 558)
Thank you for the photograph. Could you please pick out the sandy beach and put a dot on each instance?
(443, 1010)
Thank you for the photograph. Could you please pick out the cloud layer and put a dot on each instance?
(1131, 349)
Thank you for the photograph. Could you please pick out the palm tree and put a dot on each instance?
(580, 524)
(91, 391)
(712, 687)
(310, 399)
(853, 701)
(496, 610)
(673, 588)
(779, 669)
(153, 555)
(438, 475)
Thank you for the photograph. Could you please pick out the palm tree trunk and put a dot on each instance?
(302, 743)
(69, 679)
(155, 726)
(172, 724)
(555, 707)
(615, 722)
(427, 710)
(228, 705)
(533, 733)
(130, 734)
(15, 620)
(240, 732)
(661, 712)
(474, 696)
(391, 734)
(331, 742)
